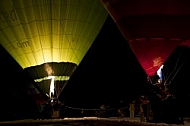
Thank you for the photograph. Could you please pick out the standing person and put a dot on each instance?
(152, 106)
(132, 110)
(143, 108)
(62, 110)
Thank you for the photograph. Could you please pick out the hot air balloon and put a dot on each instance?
(153, 29)
(49, 38)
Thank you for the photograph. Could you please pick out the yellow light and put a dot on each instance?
(41, 31)
(46, 32)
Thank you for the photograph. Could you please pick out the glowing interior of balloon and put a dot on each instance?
(45, 31)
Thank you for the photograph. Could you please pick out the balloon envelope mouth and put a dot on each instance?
(51, 77)
(61, 71)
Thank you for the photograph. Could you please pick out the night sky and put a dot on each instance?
(109, 73)
(14, 100)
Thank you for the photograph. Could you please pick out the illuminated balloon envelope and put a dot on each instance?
(49, 38)
(153, 28)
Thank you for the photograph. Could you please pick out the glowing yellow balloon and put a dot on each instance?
(50, 37)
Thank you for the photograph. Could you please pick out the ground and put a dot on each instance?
(88, 121)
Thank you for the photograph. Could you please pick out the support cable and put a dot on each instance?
(167, 77)
(95, 109)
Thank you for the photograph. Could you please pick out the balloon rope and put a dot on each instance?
(95, 109)
(58, 93)
(177, 70)
(167, 78)
(14, 93)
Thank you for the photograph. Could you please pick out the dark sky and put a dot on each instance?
(14, 100)
(109, 72)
